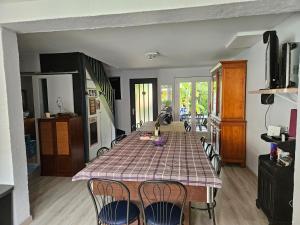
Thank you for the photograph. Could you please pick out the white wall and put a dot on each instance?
(164, 76)
(30, 62)
(60, 86)
(279, 111)
(13, 168)
(296, 200)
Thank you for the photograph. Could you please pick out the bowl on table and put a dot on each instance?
(159, 141)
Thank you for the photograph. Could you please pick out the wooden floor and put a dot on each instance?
(57, 201)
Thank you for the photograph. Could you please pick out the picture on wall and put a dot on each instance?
(93, 131)
(92, 106)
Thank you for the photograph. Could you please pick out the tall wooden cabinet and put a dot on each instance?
(227, 110)
(61, 146)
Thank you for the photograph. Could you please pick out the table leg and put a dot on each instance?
(187, 213)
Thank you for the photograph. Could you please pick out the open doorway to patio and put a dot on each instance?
(192, 101)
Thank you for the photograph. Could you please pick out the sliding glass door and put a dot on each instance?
(192, 101)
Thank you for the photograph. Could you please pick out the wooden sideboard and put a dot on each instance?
(227, 110)
(61, 146)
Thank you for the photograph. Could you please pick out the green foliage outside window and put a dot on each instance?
(202, 98)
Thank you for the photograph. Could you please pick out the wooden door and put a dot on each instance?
(47, 147)
(233, 91)
(64, 159)
(233, 137)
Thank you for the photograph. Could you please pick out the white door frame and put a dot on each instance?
(193, 80)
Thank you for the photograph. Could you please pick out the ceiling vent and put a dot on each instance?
(245, 39)
(151, 55)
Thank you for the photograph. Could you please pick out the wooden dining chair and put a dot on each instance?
(112, 202)
(118, 139)
(216, 162)
(162, 201)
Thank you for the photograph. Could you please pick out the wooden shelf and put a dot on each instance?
(267, 138)
(275, 91)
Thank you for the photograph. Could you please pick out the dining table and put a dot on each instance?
(181, 159)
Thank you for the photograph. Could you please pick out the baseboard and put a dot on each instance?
(27, 221)
(251, 171)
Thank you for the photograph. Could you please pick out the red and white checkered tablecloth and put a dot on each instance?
(181, 159)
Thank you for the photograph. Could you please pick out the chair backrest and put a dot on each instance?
(118, 139)
(101, 151)
(188, 128)
(209, 150)
(203, 140)
(161, 192)
(103, 192)
(204, 123)
(216, 162)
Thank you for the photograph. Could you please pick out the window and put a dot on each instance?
(166, 96)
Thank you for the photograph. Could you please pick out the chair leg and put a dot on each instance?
(139, 220)
(214, 217)
(208, 209)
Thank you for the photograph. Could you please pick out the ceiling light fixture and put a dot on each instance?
(151, 55)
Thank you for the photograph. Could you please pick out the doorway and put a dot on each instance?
(192, 101)
(143, 101)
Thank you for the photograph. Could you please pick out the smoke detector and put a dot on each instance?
(151, 55)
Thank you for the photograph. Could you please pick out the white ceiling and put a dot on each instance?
(180, 44)
(14, 1)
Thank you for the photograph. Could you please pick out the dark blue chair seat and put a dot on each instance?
(162, 213)
(115, 213)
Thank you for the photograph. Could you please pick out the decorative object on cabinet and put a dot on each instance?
(61, 146)
(293, 123)
(227, 118)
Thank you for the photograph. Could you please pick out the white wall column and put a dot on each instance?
(13, 168)
(296, 199)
